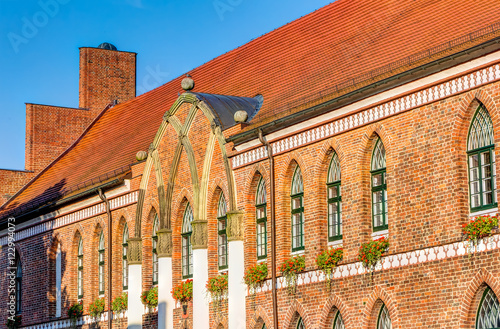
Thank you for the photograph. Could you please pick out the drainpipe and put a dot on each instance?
(110, 251)
(273, 228)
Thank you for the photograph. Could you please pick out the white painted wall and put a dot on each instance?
(166, 302)
(237, 289)
(200, 277)
(135, 307)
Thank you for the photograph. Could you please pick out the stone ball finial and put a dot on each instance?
(240, 116)
(187, 83)
(141, 155)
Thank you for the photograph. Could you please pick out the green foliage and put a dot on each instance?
(290, 269)
(328, 260)
(75, 311)
(183, 292)
(371, 252)
(255, 275)
(96, 309)
(479, 228)
(120, 303)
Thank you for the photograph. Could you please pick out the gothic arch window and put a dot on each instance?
(58, 278)
(334, 200)
(155, 252)
(264, 326)
(221, 229)
(481, 160)
(124, 257)
(488, 314)
(80, 269)
(187, 251)
(101, 264)
(297, 197)
(300, 324)
(379, 187)
(19, 284)
(338, 322)
(384, 320)
(261, 219)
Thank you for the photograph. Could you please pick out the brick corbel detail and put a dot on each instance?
(199, 237)
(164, 246)
(134, 255)
(234, 228)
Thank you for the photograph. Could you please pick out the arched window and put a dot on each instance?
(80, 269)
(221, 228)
(334, 200)
(488, 314)
(264, 326)
(300, 324)
(384, 320)
(19, 284)
(297, 211)
(187, 251)
(155, 252)
(261, 218)
(101, 263)
(481, 156)
(379, 188)
(124, 257)
(58, 280)
(338, 323)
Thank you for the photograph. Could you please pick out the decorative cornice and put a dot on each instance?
(92, 211)
(199, 237)
(405, 103)
(234, 228)
(134, 254)
(164, 246)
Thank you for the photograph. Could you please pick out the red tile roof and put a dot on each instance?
(287, 66)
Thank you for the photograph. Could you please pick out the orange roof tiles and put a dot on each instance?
(316, 52)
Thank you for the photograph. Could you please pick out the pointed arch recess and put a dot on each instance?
(334, 303)
(291, 315)
(260, 317)
(381, 294)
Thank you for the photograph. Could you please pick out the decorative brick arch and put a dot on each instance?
(333, 303)
(296, 309)
(472, 295)
(370, 313)
(259, 319)
(257, 170)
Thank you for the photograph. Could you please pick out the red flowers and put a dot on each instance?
(183, 292)
(254, 276)
(75, 311)
(217, 284)
(290, 270)
(120, 303)
(150, 297)
(371, 252)
(96, 308)
(479, 228)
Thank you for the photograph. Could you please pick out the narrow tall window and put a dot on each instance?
(155, 252)
(261, 218)
(297, 211)
(481, 158)
(124, 257)
(338, 323)
(80, 269)
(101, 264)
(379, 188)
(488, 314)
(300, 324)
(187, 251)
(384, 320)
(221, 228)
(19, 284)
(58, 280)
(334, 200)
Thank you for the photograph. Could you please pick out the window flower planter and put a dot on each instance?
(477, 229)
(371, 252)
(327, 261)
(290, 269)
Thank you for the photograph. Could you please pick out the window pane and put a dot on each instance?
(377, 180)
(384, 320)
(489, 312)
(332, 192)
(261, 239)
(296, 203)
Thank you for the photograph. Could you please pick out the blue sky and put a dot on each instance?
(39, 43)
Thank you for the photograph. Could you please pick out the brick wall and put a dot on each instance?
(12, 181)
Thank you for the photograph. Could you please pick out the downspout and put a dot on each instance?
(110, 251)
(273, 229)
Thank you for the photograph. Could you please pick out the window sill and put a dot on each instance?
(336, 244)
(379, 234)
(298, 252)
(492, 211)
(263, 260)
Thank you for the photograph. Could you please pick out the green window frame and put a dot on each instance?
(379, 188)
(384, 319)
(338, 322)
(19, 284)
(155, 251)
(334, 200)
(261, 219)
(101, 264)
(297, 205)
(481, 162)
(300, 324)
(488, 313)
(222, 236)
(79, 283)
(187, 250)
(124, 257)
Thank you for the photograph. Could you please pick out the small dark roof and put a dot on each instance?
(108, 46)
(224, 107)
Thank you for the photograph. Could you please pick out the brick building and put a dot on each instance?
(358, 121)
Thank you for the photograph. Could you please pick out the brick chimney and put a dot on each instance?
(106, 75)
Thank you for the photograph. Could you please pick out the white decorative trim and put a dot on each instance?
(490, 212)
(66, 323)
(98, 209)
(392, 261)
(411, 101)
